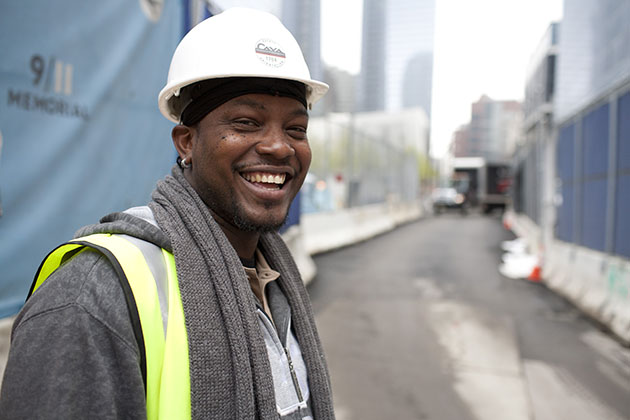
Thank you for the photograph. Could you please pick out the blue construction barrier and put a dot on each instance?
(80, 131)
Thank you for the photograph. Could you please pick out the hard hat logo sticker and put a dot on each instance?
(270, 53)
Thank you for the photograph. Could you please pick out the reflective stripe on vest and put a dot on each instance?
(155, 290)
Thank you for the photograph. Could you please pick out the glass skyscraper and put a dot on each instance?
(397, 55)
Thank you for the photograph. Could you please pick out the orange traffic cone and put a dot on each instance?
(535, 274)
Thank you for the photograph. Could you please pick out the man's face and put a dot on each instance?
(249, 159)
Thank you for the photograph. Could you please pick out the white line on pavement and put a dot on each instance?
(485, 360)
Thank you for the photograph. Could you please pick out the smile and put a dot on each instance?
(266, 180)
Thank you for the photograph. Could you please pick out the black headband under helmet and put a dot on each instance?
(205, 96)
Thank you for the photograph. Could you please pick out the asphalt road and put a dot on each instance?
(419, 324)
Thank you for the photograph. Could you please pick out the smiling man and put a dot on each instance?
(251, 153)
(191, 306)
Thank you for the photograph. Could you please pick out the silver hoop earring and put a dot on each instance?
(183, 164)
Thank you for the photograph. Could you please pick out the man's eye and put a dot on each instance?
(298, 132)
(246, 123)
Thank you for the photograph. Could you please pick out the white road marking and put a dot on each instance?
(485, 360)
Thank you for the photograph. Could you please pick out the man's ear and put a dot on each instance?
(183, 140)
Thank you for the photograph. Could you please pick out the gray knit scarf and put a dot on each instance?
(230, 375)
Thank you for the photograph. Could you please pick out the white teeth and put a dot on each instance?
(266, 178)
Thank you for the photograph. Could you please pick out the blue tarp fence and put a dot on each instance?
(80, 132)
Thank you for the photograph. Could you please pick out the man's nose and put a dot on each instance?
(276, 142)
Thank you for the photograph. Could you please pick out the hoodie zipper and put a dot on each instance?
(294, 376)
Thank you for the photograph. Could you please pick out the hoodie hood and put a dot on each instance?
(137, 222)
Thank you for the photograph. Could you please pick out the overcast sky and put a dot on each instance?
(481, 47)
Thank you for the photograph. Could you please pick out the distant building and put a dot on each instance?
(460, 146)
(406, 129)
(531, 192)
(302, 18)
(572, 184)
(592, 114)
(371, 94)
(397, 55)
(409, 55)
(416, 87)
(595, 53)
(376, 155)
(342, 94)
(493, 131)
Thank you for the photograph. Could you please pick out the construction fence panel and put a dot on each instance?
(622, 207)
(565, 173)
(594, 182)
(80, 131)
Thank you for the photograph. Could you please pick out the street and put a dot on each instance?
(419, 324)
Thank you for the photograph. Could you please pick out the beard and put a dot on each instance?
(224, 204)
(245, 224)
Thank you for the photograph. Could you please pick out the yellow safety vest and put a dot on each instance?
(156, 303)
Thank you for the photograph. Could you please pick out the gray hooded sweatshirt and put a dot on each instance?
(74, 354)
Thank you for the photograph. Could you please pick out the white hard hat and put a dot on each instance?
(238, 42)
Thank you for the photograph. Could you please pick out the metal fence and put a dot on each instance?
(357, 163)
(593, 168)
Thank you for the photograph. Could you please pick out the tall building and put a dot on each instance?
(573, 188)
(493, 131)
(342, 94)
(594, 53)
(397, 55)
(460, 146)
(592, 114)
(409, 56)
(371, 93)
(532, 193)
(302, 18)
